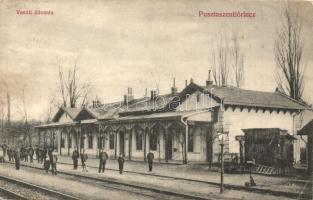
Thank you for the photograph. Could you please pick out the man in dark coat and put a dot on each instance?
(150, 157)
(31, 154)
(84, 158)
(17, 159)
(103, 158)
(121, 161)
(75, 156)
(9, 154)
(44, 154)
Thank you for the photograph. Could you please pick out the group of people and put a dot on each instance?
(48, 158)
(103, 157)
(44, 156)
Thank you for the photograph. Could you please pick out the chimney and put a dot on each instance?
(209, 82)
(191, 80)
(130, 94)
(125, 99)
(153, 94)
(146, 92)
(174, 88)
(186, 83)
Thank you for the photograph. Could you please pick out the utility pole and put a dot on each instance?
(8, 116)
(222, 167)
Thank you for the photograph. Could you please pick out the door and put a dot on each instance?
(122, 142)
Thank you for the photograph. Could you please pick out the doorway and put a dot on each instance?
(169, 146)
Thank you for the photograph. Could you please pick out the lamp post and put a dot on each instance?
(221, 141)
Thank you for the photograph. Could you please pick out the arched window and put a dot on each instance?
(69, 140)
(82, 142)
(90, 142)
(62, 140)
(153, 140)
(139, 138)
(111, 140)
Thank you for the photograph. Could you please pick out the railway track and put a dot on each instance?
(9, 195)
(113, 183)
(16, 189)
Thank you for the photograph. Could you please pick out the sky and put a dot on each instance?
(120, 44)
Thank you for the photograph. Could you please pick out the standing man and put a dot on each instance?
(17, 159)
(46, 162)
(37, 153)
(103, 158)
(54, 163)
(31, 154)
(10, 154)
(75, 157)
(5, 148)
(121, 161)
(150, 157)
(84, 158)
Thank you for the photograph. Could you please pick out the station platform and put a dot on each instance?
(191, 177)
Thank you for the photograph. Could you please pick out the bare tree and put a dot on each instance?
(2, 116)
(237, 61)
(288, 54)
(71, 88)
(27, 134)
(220, 62)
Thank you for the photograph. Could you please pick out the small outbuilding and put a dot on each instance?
(307, 130)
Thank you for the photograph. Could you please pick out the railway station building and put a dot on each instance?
(181, 126)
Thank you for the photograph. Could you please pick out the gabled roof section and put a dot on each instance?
(71, 112)
(241, 97)
(90, 113)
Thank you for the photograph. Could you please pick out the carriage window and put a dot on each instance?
(153, 140)
(90, 142)
(139, 140)
(111, 141)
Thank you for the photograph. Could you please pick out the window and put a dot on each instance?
(153, 140)
(190, 142)
(111, 141)
(99, 141)
(69, 141)
(139, 137)
(90, 142)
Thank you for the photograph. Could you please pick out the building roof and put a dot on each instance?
(56, 124)
(161, 115)
(72, 113)
(236, 96)
(307, 129)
